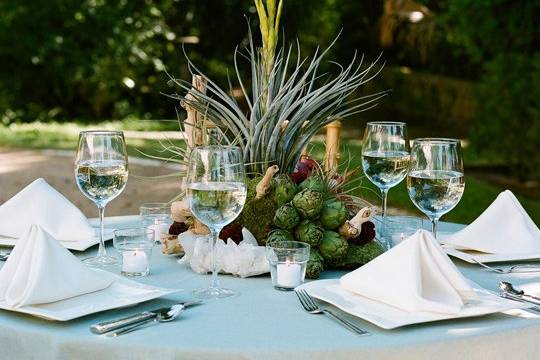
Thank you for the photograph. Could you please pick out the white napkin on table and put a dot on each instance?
(39, 203)
(40, 270)
(415, 275)
(503, 228)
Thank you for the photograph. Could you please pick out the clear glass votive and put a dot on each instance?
(398, 228)
(288, 261)
(135, 248)
(156, 217)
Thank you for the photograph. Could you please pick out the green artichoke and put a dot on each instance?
(333, 214)
(284, 189)
(314, 182)
(308, 203)
(309, 233)
(333, 246)
(315, 265)
(286, 217)
(356, 256)
(278, 235)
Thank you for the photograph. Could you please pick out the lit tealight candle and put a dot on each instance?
(134, 261)
(289, 274)
(159, 228)
(397, 238)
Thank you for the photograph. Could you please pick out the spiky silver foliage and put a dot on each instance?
(285, 109)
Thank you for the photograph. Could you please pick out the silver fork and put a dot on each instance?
(523, 268)
(311, 307)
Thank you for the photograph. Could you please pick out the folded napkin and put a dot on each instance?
(40, 270)
(415, 275)
(244, 260)
(39, 203)
(503, 228)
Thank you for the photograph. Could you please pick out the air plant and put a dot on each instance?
(298, 102)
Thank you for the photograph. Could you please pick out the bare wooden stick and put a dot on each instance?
(331, 157)
(193, 124)
(264, 185)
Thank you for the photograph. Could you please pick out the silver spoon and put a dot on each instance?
(163, 315)
(509, 289)
(4, 257)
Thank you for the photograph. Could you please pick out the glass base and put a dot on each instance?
(100, 261)
(281, 288)
(134, 274)
(213, 293)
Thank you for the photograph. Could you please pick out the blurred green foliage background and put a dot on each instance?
(466, 68)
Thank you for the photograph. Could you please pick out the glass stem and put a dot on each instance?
(101, 251)
(434, 222)
(386, 241)
(384, 193)
(215, 279)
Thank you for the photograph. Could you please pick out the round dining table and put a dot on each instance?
(264, 323)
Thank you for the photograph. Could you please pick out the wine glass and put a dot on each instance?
(435, 182)
(385, 157)
(101, 171)
(216, 193)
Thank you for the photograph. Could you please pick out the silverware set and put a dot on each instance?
(509, 292)
(309, 304)
(514, 269)
(135, 322)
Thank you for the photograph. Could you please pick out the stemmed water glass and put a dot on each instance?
(385, 156)
(101, 171)
(216, 193)
(436, 182)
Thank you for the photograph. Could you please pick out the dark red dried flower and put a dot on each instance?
(366, 234)
(177, 228)
(232, 231)
(303, 169)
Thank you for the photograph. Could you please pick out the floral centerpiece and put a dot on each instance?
(285, 102)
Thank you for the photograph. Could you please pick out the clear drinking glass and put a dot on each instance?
(135, 248)
(399, 228)
(156, 217)
(385, 156)
(216, 192)
(101, 171)
(288, 261)
(436, 180)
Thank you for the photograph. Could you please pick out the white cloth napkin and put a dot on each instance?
(40, 270)
(39, 203)
(503, 228)
(244, 260)
(416, 275)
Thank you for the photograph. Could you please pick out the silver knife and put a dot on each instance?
(107, 326)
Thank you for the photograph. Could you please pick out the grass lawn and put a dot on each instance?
(478, 194)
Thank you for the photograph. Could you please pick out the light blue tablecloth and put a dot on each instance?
(263, 323)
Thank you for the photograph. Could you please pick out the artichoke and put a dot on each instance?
(333, 214)
(309, 233)
(308, 203)
(278, 235)
(333, 246)
(284, 189)
(314, 183)
(286, 217)
(315, 265)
